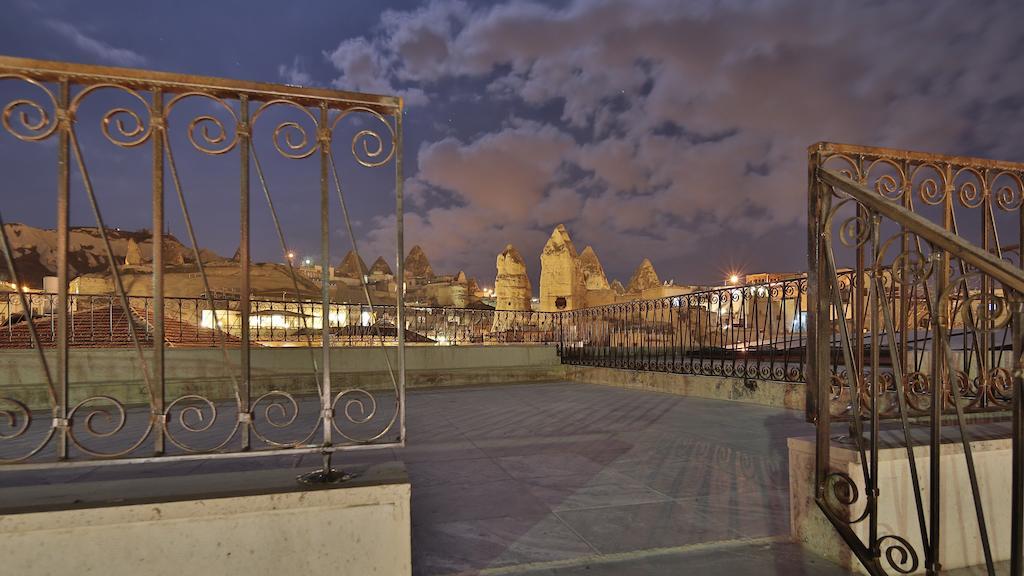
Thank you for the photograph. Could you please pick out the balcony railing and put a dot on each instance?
(156, 128)
(751, 331)
(934, 333)
(99, 321)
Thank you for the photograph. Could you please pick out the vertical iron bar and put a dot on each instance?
(157, 123)
(874, 295)
(243, 256)
(938, 389)
(325, 263)
(1017, 434)
(63, 210)
(819, 340)
(400, 241)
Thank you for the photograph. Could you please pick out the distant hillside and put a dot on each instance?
(35, 251)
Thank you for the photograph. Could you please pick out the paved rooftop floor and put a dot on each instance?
(568, 479)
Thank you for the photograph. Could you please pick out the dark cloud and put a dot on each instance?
(689, 122)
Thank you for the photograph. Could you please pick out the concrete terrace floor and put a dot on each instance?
(563, 479)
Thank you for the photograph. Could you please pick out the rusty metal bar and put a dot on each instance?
(48, 70)
(63, 211)
(159, 342)
(400, 267)
(244, 304)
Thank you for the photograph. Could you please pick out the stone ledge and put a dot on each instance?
(789, 395)
(260, 522)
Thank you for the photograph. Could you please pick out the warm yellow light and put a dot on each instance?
(734, 278)
(291, 255)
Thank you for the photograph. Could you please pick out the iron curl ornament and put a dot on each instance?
(368, 147)
(206, 132)
(28, 120)
(280, 410)
(195, 414)
(360, 407)
(113, 419)
(290, 137)
(121, 126)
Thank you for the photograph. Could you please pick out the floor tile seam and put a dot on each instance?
(574, 531)
(609, 506)
(616, 557)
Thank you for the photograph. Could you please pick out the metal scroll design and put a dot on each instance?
(927, 333)
(218, 119)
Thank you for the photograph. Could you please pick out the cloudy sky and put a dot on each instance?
(664, 129)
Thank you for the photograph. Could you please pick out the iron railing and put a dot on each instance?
(934, 333)
(252, 131)
(99, 321)
(750, 331)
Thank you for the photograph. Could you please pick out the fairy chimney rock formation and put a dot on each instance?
(173, 257)
(618, 288)
(512, 289)
(381, 267)
(352, 266)
(593, 272)
(644, 278)
(461, 278)
(417, 266)
(133, 255)
(562, 286)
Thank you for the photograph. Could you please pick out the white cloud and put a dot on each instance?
(295, 73)
(105, 52)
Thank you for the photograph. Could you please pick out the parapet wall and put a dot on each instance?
(789, 395)
(117, 372)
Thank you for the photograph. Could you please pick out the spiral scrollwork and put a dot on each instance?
(195, 417)
(27, 119)
(291, 138)
(898, 553)
(103, 421)
(887, 186)
(841, 493)
(368, 146)
(14, 419)
(360, 408)
(121, 126)
(279, 410)
(195, 414)
(972, 190)
(888, 183)
(855, 231)
(207, 133)
(1009, 191)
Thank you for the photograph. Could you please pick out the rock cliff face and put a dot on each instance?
(35, 251)
(593, 272)
(352, 266)
(512, 289)
(381, 267)
(562, 285)
(417, 265)
(644, 278)
(618, 288)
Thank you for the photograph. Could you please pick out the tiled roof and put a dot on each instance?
(107, 326)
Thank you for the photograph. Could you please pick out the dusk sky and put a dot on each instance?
(671, 130)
